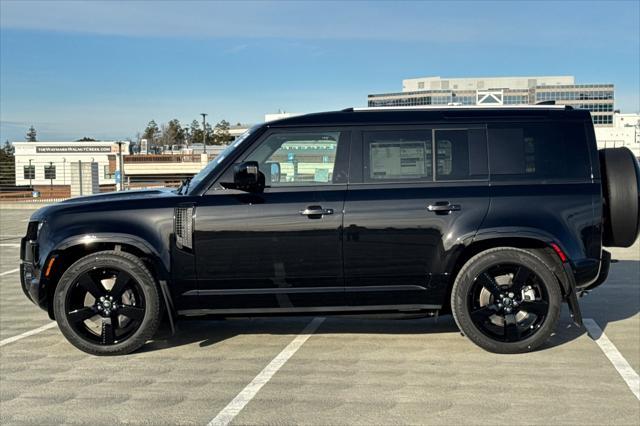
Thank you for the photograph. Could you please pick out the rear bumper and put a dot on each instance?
(605, 264)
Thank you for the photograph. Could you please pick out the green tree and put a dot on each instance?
(31, 135)
(151, 134)
(221, 135)
(7, 165)
(86, 139)
(172, 133)
(196, 133)
(210, 134)
(8, 148)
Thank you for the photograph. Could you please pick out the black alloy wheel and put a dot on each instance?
(507, 299)
(105, 306)
(508, 303)
(107, 303)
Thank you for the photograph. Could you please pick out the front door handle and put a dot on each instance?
(315, 212)
(443, 207)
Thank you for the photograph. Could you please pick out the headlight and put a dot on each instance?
(33, 230)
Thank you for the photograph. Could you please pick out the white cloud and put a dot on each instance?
(390, 21)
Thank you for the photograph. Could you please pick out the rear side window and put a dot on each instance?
(412, 155)
(539, 151)
(461, 154)
(398, 155)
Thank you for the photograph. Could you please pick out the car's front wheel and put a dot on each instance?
(506, 300)
(107, 303)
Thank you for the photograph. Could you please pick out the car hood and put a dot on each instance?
(120, 196)
(100, 199)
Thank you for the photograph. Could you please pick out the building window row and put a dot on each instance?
(602, 119)
(50, 172)
(516, 99)
(443, 100)
(572, 96)
(595, 107)
(574, 86)
(398, 102)
(30, 172)
(107, 173)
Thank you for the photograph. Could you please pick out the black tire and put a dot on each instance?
(534, 328)
(621, 184)
(139, 293)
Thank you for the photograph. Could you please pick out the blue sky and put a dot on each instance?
(104, 69)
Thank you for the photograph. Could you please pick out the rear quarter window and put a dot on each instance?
(414, 155)
(547, 151)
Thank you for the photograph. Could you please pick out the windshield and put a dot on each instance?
(213, 164)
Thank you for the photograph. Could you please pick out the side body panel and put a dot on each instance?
(396, 250)
(558, 213)
(258, 251)
(397, 247)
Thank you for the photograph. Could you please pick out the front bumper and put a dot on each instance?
(30, 271)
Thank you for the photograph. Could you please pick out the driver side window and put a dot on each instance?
(298, 158)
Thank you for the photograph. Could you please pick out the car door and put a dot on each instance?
(279, 250)
(407, 210)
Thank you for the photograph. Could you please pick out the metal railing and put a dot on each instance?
(50, 181)
(163, 158)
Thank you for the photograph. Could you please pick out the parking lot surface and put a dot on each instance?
(348, 371)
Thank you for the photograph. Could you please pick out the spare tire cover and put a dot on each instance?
(620, 183)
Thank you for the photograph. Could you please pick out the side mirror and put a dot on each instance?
(247, 177)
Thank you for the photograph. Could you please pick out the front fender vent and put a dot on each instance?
(183, 227)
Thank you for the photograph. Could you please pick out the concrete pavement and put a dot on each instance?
(350, 371)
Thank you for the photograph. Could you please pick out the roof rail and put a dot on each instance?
(428, 107)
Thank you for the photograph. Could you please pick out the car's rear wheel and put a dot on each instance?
(506, 300)
(107, 303)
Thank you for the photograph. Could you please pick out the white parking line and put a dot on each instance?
(27, 334)
(624, 369)
(228, 413)
(9, 272)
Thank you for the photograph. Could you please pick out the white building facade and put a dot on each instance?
(49, 163)
(625, 132)
(598, 99)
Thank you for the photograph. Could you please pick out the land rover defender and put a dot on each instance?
(495, 215)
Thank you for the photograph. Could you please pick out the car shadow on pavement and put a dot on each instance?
(211, 332)
(617, 299)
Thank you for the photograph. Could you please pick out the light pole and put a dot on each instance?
(51, 179)
(204, 132)
(120, 165)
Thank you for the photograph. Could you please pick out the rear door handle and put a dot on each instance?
(443, 207)
(314, 212)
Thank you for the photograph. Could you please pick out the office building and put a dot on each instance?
(597, 98)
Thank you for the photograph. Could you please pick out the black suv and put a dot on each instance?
(496, 215)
